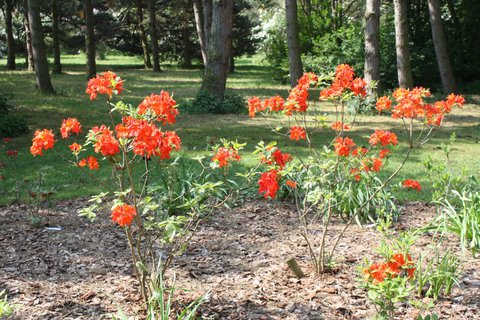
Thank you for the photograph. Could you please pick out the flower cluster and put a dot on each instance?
(411, 104)
(297, 133)
(383, 137)
(224, 156)
(399, 264)
(108, 83)
(42, 140)
(269, 181)
(412, 184)
(70, 125)
(268, 184)
(340, 126)
(344, 80)
(146, 139)
(103, 141)
(162, 105)
(90, 161)
(123, 214)
(343, 146)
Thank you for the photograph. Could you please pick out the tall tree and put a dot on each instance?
(404, 69)
(143, 36)
(28, 39)
(57, 64)
(293, 42)
(215, 28)
(152, 15)
(9, 30)
(372, 45)
(38, 44)
(90, 38)
(440, 44)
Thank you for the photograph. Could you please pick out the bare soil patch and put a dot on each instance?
(83, 271)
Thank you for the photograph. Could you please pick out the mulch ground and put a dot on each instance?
(83, 270)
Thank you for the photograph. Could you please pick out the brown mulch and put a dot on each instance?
(83, 271)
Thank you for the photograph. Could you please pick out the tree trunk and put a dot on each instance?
(90, 39)
(187, 50)
(231, 65)
(293, 42)
(404, 69)
(9, 30)
(57, 65)
(38, 44)
(372, 45)
(153, 35)
(440, 44)
(219, 39)
(143, 36)
(28, 39)
(200, 25)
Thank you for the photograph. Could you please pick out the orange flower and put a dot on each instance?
(42, 140)
(75, 147)
(280, 158)
(225, 155)
(339, 125)
(162, 105)
(105, 142)
(344, 75)
(297, 133)
(332, 92)
(308, 80)
(268, 184)
(343, 146)
(108, 83)
(92, 163)
(254, 106)
(274, 104)
(123, 215)
(82, 163)
(292, 184)
(383, 137)
(373, 164)
(297, 100)
(383, 103)
(412, 184)
(359, 87)
(383, 153)
(70, 125)
(376, 271)
(356, 174)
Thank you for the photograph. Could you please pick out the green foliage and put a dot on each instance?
(161, 304)
(11, 124)
(344, 45)
(460, 215)
(6, 308)
(207, 103)
(436, 276)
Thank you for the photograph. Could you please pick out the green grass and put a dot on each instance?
(252, 78)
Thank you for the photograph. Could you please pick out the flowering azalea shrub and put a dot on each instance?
(389, 282)
(158, 218)
(341, 178)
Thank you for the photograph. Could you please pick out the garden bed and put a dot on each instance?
(83, 271)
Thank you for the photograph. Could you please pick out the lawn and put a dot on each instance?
(252, 78)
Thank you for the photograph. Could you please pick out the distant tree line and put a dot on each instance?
(433, 43)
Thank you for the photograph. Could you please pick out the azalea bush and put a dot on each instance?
(398, 277)
(341, 178)
(159, 217)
